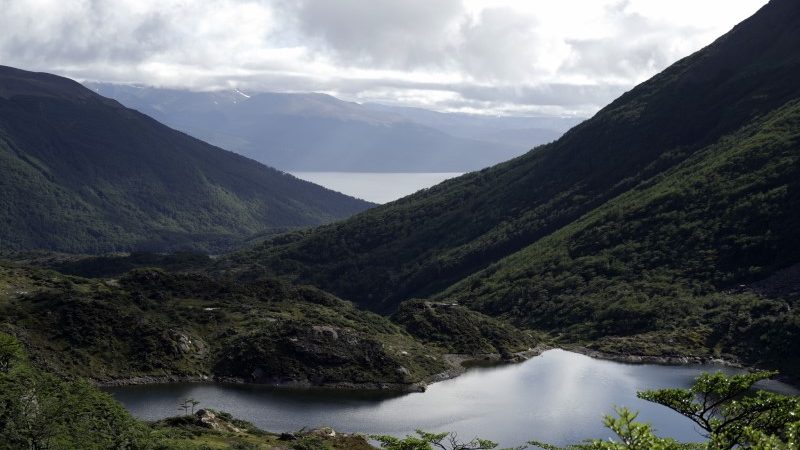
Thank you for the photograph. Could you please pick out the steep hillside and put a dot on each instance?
(421, 244)
(645, 229)
(704, 256)
(81, 173)
(317, 132)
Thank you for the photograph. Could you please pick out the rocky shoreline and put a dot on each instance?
(288, 384)
(674, 361)
(651, 359)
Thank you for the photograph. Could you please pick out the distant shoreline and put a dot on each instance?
(459, 364)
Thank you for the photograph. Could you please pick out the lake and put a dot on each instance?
(559, 397)
(375, 187)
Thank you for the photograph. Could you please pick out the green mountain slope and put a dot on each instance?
(665, 225)
(691, 250)
(422, 244)
(79, 172)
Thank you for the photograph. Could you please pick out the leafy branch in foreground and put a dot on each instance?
(727, 409)
(631, 435)
(430, 441)
(41, 411)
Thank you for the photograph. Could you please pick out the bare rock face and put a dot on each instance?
(183, 344)
(323, 432)
(325, 332)
(211, 419)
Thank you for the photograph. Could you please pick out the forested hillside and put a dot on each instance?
(422, 243)
(656, 214)
(82, 173)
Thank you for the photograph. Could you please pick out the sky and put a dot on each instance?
(508, 57)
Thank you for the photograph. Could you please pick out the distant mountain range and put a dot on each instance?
(318, 132)
(665, 225)
(81, 173)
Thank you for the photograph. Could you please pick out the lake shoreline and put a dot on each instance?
(561, 395)
(459, 364)
(630, 358)
(674, 361)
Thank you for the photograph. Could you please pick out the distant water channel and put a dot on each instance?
(375, 187)
(558, 397)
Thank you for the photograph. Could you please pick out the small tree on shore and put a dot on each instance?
(188, 406)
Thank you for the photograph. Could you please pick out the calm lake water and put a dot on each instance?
(375, 187)
(558, 397)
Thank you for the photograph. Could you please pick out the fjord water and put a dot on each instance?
(558, 397)
(376, 187)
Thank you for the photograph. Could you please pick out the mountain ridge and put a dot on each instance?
(319, 132)
(110, 178)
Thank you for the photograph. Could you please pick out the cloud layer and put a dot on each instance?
(488, 56)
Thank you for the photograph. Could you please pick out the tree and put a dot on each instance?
(730, 412)
(41, 411)
(31, 406)
(188, 405)
(725, 407)
(632, 435)
(758, 440)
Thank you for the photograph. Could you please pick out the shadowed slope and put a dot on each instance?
(82, 173)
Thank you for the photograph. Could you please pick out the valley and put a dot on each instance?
(417, 269)
(376, 187)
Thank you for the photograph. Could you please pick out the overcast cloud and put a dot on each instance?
(490, 56)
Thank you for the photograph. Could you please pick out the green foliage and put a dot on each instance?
(429, 441)
(114, 265)
(758, 440)
(631, 435)
(41, 411)
(725, 408)
(461, 330)
(310, 443)
(11, 352)
(149, 322)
